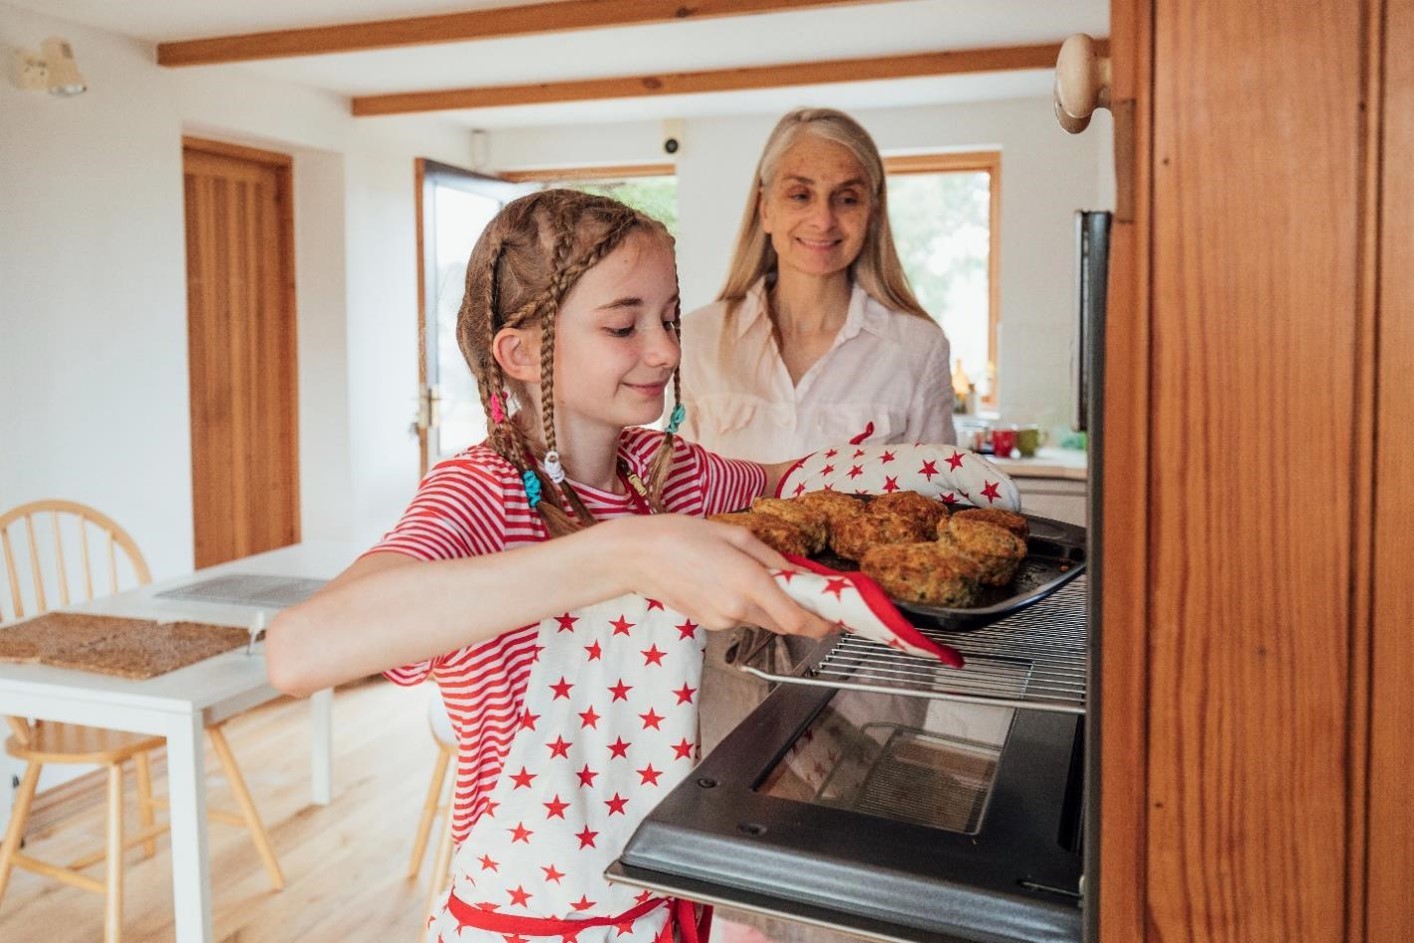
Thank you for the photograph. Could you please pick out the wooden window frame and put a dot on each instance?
(989, 162)
(606, 172)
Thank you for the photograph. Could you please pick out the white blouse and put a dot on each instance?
(886, 375)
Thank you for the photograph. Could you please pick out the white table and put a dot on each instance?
(178, 705)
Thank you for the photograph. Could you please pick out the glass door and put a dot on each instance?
(454, 206)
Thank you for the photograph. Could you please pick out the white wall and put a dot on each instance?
(1046, 175)
(93, 370)
(93, 359)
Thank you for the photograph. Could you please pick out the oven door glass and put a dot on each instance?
(895, 757)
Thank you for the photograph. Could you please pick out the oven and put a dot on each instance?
(890, 797)
(880, 795)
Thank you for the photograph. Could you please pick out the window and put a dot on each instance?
(943, 210)
(649, 188)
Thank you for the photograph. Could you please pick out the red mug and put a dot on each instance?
(1004, 441)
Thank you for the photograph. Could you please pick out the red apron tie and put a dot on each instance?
(690, 929)
(680, 915)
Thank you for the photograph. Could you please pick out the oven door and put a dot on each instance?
(866, 812)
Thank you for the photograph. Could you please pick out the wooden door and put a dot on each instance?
(241, 349)
(1256, 664)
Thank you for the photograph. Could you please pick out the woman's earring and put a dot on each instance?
(553, 468)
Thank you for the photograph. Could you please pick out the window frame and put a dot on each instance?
(602, 172)
(989, 162)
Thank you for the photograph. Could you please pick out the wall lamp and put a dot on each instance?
(51, 70)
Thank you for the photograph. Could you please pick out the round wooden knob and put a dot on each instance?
(1082, 82)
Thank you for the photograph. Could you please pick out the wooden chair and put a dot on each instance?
(59, 539)
(442, 732)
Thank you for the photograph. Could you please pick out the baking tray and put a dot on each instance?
(1055, 555)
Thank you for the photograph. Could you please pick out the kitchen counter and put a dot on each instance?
(1047, 463)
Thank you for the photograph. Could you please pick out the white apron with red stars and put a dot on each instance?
(608, 728)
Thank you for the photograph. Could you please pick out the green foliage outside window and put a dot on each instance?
(941, 225)
(654, 196)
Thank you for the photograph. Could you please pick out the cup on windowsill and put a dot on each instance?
(1004, 441)
(1029, 439)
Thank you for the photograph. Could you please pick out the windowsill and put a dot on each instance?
(1047, 463)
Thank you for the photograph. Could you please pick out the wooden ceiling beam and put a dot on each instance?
(535, 18)
(957, 62)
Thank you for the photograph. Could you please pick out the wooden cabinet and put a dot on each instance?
(1257, 670)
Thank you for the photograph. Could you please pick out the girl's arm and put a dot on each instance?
(389, 610)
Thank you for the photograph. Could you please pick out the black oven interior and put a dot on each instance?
(890, 816)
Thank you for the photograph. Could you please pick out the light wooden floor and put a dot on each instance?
(344, 864)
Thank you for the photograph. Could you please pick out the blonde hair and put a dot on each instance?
(519, 273)
(876, 269)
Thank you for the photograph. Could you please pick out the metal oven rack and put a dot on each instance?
(1035, 659)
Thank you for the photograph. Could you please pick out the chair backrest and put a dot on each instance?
(52, 551)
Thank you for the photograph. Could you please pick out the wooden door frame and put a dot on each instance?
(282, 166)
(1375, 855)
(1116, 903)
(1383, 673)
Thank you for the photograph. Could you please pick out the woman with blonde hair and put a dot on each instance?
(816, 337)
(815, 340)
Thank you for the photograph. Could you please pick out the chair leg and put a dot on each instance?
(113, 909)
(144, 801)
(247, 804)
(19, 815)
(441, 867)
(429, 812)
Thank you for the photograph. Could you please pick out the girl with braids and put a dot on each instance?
(569, 666)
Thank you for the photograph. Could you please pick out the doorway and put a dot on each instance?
(241, 349)
(453, 207)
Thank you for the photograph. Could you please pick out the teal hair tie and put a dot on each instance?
(675, 420)
(532, 487)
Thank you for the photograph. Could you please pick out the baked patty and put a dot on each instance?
(781, 536)
(1009, 519)
(854, 536)
(925, 573)
(997, 550)
(811, 522)
(925, 511)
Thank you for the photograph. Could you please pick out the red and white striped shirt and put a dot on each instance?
(475, 504)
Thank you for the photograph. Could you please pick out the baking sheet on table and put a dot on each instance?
(248, 589)
(126, 648)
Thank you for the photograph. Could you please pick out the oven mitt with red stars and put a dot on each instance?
(945, 472)
(858, 604)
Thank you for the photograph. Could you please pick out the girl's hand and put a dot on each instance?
(716, 574)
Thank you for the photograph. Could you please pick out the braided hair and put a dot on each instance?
(519, 274)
